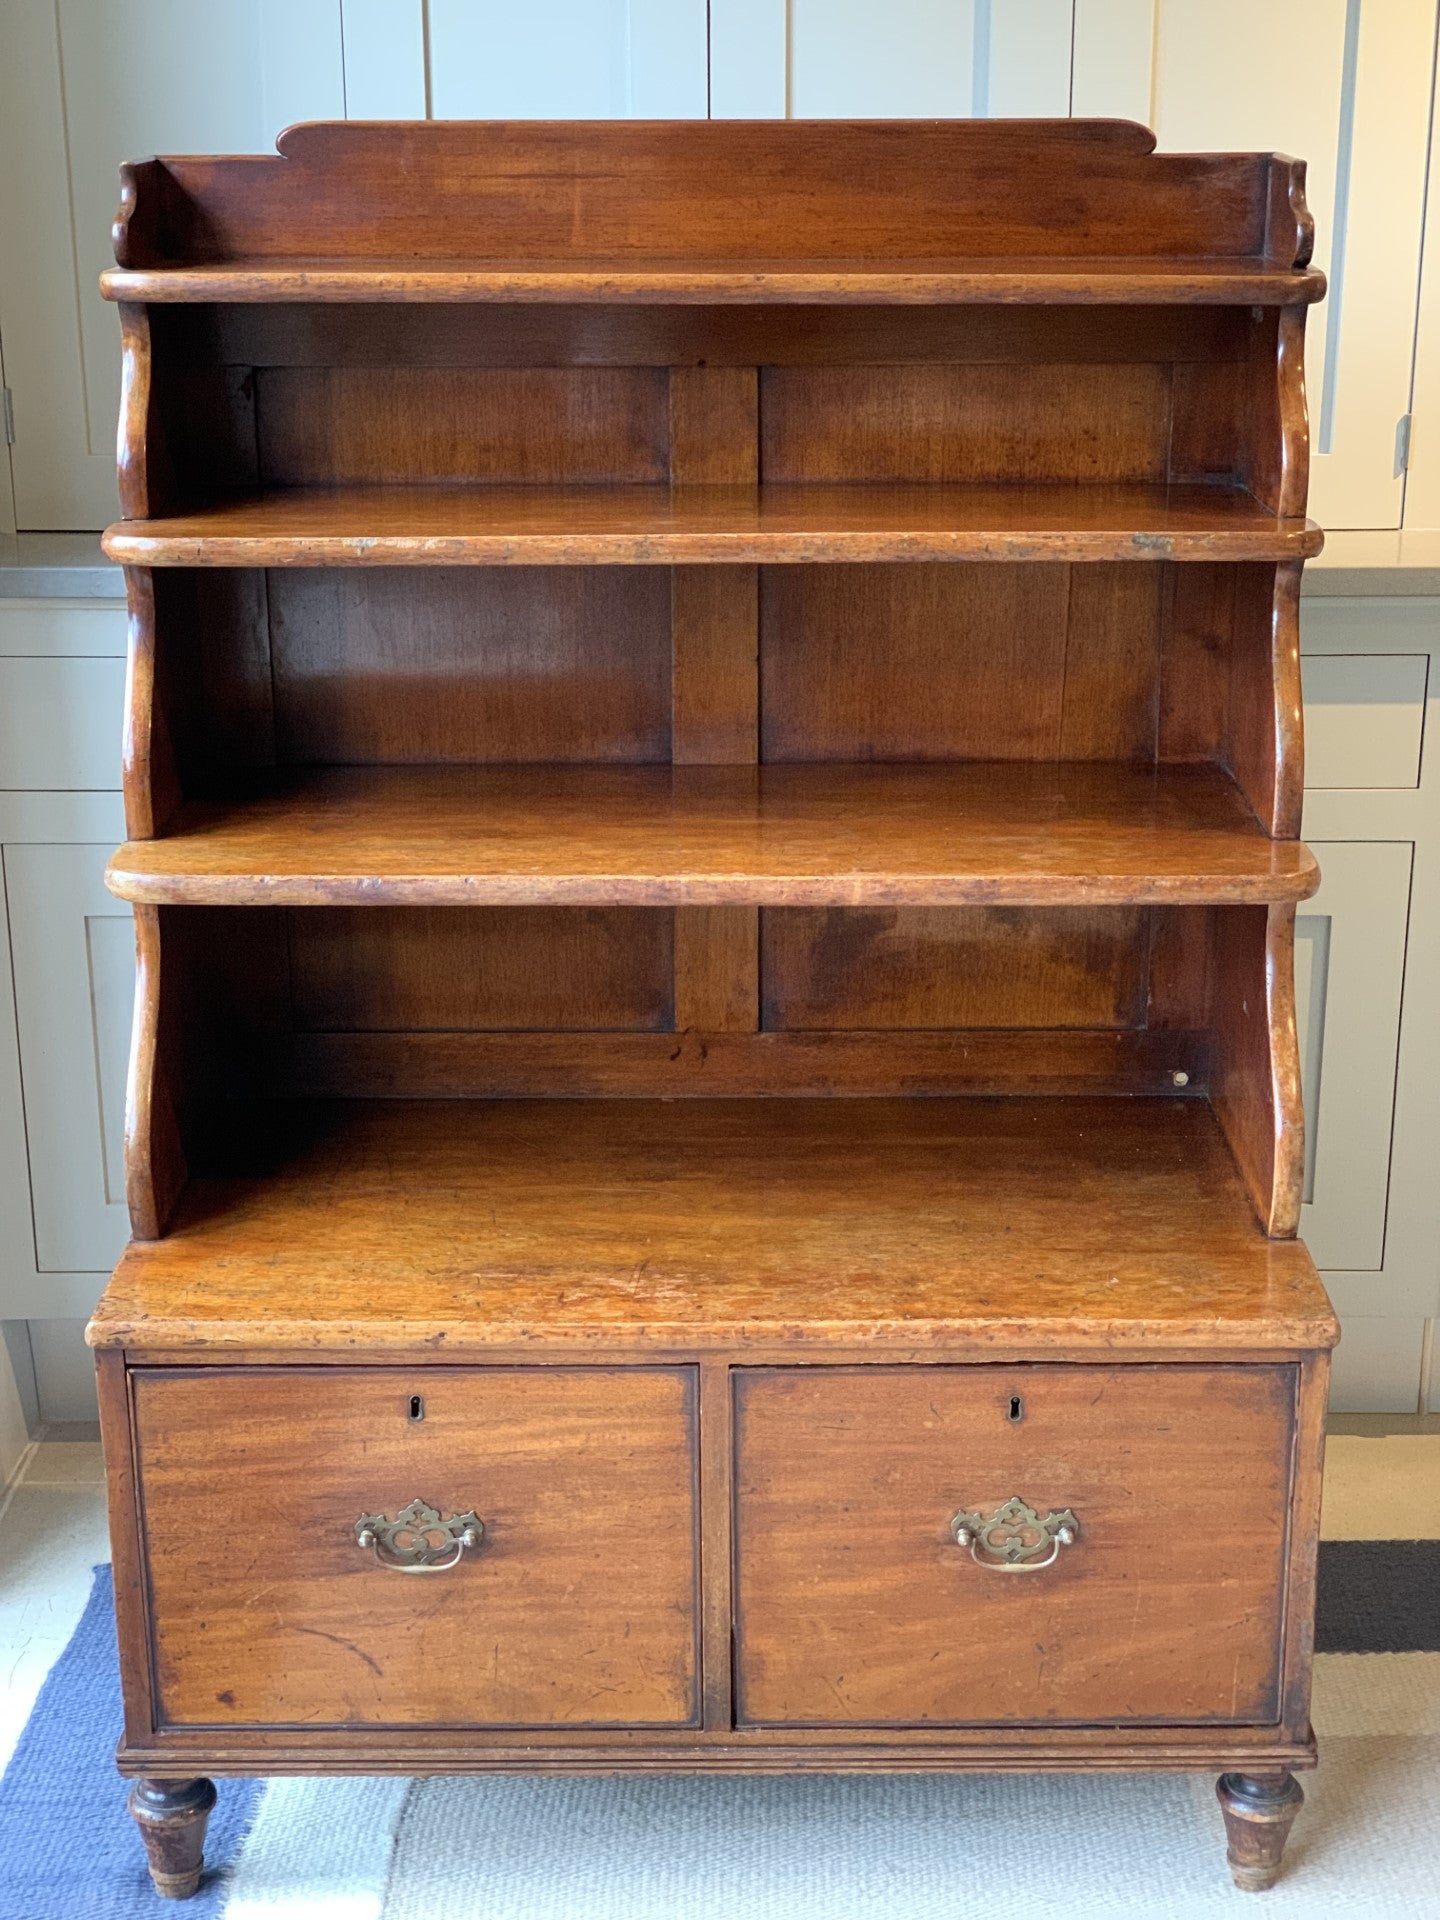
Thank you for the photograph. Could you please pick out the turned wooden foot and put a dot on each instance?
(1259, 1811)
(172, 1816)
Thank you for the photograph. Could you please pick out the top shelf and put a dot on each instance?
(1067, 210)
(1021, 281)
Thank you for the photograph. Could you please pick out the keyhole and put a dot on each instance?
(1017, 1407)
(417, 1406)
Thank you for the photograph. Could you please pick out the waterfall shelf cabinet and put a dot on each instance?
(713, 775)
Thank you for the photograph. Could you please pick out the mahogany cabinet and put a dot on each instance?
(714, 1141)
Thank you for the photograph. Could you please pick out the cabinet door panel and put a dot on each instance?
(1349, 974)
(567, 60)
(74, 966)
(1364, 719)
(833, 59)
(59, 723)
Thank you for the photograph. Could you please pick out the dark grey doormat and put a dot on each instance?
(1378, 1596)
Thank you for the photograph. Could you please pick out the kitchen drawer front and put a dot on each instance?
(856, 1605)
(576, 1608)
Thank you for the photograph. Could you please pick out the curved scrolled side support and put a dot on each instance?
(132, 439)
(1293, 478)
(1289, 223)
(128, 214)
(1276, 440)
(148, 771)
(1267, 727)
(1285, 815)
(155, 1170)
(138, 231)
(1255, 1081)
(141, 459)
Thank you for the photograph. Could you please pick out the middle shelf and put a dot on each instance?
(1007, 833)
(435, 524)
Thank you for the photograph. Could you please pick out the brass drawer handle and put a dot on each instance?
(1015, 1539)
(417, 1540)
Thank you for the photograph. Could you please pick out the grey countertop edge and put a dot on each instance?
(1320, 582)
(57, 566)
(70, 566)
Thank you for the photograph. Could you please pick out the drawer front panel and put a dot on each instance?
(577, 1607)
(857, 1606)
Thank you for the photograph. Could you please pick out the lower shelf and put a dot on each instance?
(457, 1226)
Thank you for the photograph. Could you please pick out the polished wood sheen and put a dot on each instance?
(842, 192)
(577, 1608)
(440, 526)
(848, 1480)
(783, 835)
(922, 1223)
(712, 780)
(1022, 280)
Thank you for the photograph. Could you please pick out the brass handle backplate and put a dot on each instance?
(417, 1540)
(1015, 1539)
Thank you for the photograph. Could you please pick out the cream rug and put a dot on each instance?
(1367, 1843)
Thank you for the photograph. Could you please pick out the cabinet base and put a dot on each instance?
(1259, 1810)
(1139, 1750)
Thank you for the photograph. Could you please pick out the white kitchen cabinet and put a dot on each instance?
(1349, 975)
(73, 955)
(85, 84)
(815, 59)
(567, 59)
(66, 957)
(1369, 1014)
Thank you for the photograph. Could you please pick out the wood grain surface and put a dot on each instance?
(640, 525)
(854, 1603)
(396, 200)
(918, 1223)
(698, 339)
(1117, 281)
(816, 835)
(510, 664)
(579, 1607)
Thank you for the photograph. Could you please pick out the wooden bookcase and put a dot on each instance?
(713, 769)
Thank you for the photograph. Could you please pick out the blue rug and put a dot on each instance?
(68, 1848)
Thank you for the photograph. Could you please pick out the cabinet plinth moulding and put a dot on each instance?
(714, 848)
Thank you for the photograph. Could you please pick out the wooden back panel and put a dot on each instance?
(280, 398)
(1136, 661)
(334, 426)
(691, 190)
(387, 999)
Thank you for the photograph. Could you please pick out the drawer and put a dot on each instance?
(856, 1605)
(576, 1608)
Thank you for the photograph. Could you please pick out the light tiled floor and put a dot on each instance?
(1382, 1482)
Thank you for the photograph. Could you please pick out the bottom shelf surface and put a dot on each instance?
(457, 1226)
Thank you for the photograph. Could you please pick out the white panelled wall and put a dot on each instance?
(1347, 83)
